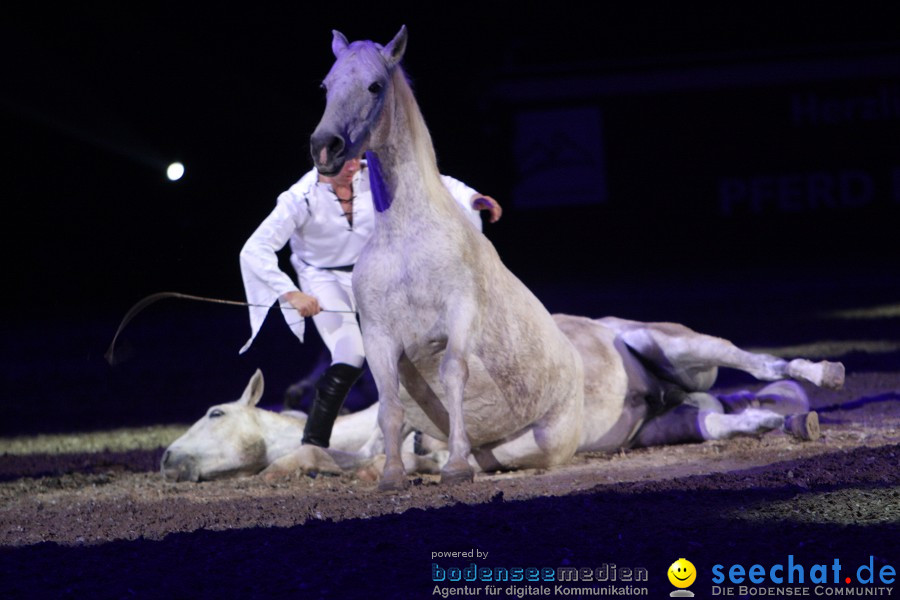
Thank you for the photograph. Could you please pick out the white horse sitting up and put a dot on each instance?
(646, 384)
(459, 348)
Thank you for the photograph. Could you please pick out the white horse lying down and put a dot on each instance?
(238, 438)
(645, 384)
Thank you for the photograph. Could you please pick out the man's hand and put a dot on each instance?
(305, 304)
(482, 202)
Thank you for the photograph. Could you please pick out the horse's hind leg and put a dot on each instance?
(786, 398)
(695, 421)
(783, 397)
(527, 450)
(752, 421)
(680, 424)
(551, 441)
(691, 359)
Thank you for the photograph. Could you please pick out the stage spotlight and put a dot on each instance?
(175, 171)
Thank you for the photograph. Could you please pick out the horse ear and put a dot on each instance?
(254, 390)
(339, 43)
(393, 52)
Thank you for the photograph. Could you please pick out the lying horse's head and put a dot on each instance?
(227, 441)
(355, 91)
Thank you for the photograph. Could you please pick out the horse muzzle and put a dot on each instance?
(328, 153)
(179, 467)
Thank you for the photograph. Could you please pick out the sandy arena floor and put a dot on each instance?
(88, 515)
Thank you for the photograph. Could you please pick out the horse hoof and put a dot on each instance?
(393, 485)
(367, 474)
(372, 471)
(275, 475)
(804, 426)
(832, 375)
(393, 480)
(783, 397)
(453, 476)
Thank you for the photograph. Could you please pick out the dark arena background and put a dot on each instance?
(735, 169)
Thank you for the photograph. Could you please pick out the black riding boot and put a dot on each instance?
(331, 390)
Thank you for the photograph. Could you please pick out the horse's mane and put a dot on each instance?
(423, 148)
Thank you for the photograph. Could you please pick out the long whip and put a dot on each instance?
(147, 301)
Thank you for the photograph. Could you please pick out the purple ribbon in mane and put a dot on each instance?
(376, 181)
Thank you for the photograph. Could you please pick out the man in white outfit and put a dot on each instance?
(328, 221)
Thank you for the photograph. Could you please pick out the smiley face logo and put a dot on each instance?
(682, 573)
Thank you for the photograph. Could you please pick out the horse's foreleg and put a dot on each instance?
(306, 459)
(413, 463)
(454, 373)
(383, 357)
(374, 445)
(390, 420)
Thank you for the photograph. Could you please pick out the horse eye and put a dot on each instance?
(375, 88)
(216, 413)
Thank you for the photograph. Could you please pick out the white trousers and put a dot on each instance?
(339, 330)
